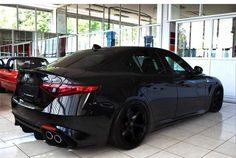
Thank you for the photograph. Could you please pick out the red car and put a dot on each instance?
(9, 71)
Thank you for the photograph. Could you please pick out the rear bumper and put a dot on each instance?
(83, 130)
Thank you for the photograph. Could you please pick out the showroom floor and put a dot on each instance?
(212, 135)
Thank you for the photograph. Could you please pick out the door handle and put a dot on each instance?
(183, 84)
(157, 88)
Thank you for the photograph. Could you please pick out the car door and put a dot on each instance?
(9, 75)
(156, 85)
(1, 70)
(190, 87)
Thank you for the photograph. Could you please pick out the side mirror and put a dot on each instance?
(198, 70)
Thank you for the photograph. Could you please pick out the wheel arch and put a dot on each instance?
(130, 102)
(213, 89)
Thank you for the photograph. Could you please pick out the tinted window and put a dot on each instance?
(117, 63)
(84, 59)
(145, 63)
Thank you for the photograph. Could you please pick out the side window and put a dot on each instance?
(11, 64)
(145, 63)
(177, 64)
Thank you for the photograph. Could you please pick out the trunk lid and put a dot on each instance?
(39, 87)
(28, 86)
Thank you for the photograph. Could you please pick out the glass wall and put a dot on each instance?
(15, 43)
(148, 14)
(130, 21)
(127, 21)
(5, 42)
(26, 19)
(71, 19)
(210, 38)
(212, 9)
(83, 26)
(44, 21)
(182, 11)
(196, 39)
(222, 38)
(34, 19)
(72, 27)
(47, 45)
(183, 44)
(96, 21)
(207, 38)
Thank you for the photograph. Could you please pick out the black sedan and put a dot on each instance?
(114, 95)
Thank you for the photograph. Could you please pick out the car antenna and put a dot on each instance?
(96, 47)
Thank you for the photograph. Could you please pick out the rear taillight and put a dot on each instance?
(66, 89)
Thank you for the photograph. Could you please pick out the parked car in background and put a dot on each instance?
(114, 95)
(9, 70)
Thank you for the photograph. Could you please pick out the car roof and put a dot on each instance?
(123, 48)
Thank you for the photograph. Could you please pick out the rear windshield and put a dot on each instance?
(27, 63)
(83, 60)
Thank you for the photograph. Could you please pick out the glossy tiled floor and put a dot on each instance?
(212, 135)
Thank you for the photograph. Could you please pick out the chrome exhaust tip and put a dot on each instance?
(57, 139)
(49, 135)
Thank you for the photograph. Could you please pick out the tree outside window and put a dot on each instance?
(26, 19)
(8, 17)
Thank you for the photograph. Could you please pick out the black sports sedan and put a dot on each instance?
(111, 94)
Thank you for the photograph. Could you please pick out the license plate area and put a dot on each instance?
(30, 93)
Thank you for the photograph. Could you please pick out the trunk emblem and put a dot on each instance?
(26, 77)
(28, 95)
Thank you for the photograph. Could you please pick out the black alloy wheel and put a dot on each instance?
(216, 100)
(130, 126)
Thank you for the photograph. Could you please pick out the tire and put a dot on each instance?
(130, 127)
(26, 129)
(216, 100)
(38, 136)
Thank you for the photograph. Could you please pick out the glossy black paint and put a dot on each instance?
(86, 118)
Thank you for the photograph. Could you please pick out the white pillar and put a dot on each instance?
(54, 21)
(165, 27)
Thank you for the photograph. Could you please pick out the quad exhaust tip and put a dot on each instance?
(49, 135)
(57, 139)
